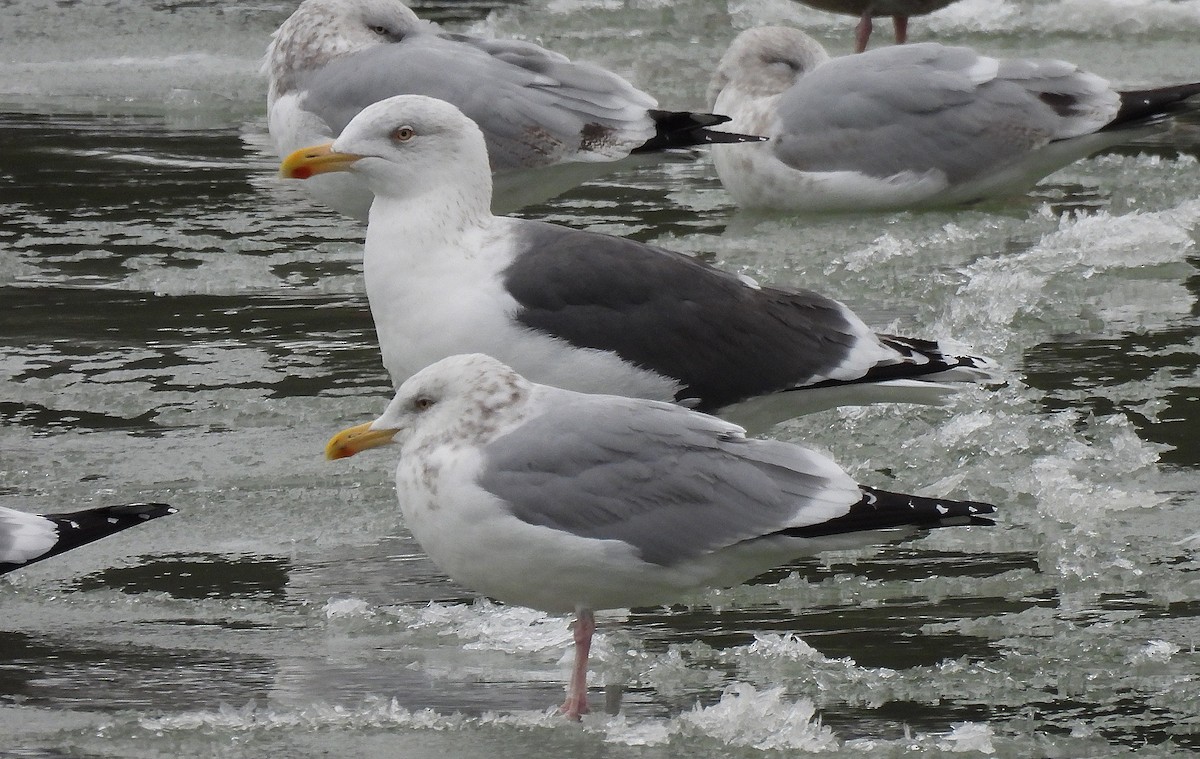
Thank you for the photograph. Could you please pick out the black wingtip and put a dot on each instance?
(685, 129)
(921, 358)
(77, 528)
(884, 509)
(141, 510)
(1144, 107)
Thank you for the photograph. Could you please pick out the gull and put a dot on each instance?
(568, 502)
(589, 311)
(911, 126)
(26, 538)
(899, 10)
(550, 123)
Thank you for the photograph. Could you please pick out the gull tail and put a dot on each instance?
(684, 129)
(883, 509)
(923, 361)
(27, 538)
(933, 361)
(1148, 107)
(923, 372)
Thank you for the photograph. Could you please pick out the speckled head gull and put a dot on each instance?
(26, 538)
(568, 502)
(910, 126)
(550, 123)
(588, 311)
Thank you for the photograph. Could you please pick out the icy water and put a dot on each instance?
(177, 324)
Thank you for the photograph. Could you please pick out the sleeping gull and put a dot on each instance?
(910, 126)
(550, 123)
(588, 311)
(26, 538)
(899, 10)
(568, 502)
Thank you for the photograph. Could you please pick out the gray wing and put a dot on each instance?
(672, 483)
(723, 339)
(534, 107)
(928, 107)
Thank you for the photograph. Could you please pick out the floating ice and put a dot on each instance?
(787, 646)
(253, 716)
(1098, 18)
(1057, 278)
(485, 625)
(970, 736)
(765, 720)
(1103, 18)
(338, 608)
(1156, 651)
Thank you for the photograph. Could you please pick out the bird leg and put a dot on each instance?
(862, 32)
(900, 24)
(576, 704)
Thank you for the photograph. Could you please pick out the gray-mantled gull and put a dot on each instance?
(899, 10)
(550, 123)
(26, 538)
(588, 311)
(910, 126)
(568, 502)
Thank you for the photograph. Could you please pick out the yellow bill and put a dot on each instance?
(315, 159)
(356, 440)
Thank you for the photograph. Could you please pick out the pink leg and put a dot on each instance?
(862, 33)
(900, 23)
(576, 704)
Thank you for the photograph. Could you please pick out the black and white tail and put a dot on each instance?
(26, 538)
(883, 509)
(684, 129)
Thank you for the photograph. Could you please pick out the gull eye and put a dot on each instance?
(787, 63)
(422, 403)
(404, 134)
(380, 29)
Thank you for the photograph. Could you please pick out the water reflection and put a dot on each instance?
(196, 577)
(58, 672)
(1094, 374)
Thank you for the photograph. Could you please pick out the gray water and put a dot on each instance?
(178, 324)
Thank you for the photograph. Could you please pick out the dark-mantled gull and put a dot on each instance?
(26, 538)
(588, 311)
(568, 502)
(911, 126)
(550, 123)
(865, 10)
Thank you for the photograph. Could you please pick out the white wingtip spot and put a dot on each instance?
(748, 281)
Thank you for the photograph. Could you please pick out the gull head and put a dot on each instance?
(403, 146)
(321, 30)
(766, 61)
(465, 399)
